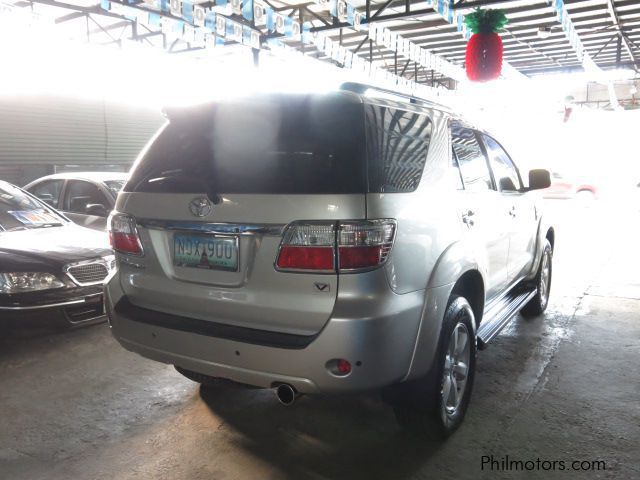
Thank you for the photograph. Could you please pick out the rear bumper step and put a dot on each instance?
(501, 314)
(211, 329)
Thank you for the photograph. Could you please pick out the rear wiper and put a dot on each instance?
(189, 178)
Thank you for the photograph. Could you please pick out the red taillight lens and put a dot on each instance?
(307, 258)
(360, 244)
(308, 247)
(364, 244)
(359, 257)
(123, 234)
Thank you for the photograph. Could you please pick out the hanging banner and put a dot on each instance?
(247, 9)
(187, 11)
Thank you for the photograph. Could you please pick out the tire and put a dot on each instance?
(423, 407)
(538, 304)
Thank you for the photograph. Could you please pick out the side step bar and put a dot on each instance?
(499, 315)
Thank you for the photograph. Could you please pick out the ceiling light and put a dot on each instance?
(544, 32)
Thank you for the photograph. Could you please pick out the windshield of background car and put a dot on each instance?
(19, 211)
(273, 144)
(114, 186)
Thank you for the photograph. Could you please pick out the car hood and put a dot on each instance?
(49, 249)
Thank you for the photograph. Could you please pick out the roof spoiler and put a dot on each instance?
(363, 88)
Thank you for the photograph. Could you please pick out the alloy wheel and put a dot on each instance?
(545, 278)
(456, 369)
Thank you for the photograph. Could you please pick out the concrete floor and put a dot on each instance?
(74, 405)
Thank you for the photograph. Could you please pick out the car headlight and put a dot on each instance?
(17, 282)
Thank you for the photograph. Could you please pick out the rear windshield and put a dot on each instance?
(268, 145)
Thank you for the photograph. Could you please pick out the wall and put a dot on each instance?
(40, 135)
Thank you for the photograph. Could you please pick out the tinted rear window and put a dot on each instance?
(266, 145)
(398, 143)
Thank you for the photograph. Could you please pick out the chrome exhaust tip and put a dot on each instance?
(287, 395)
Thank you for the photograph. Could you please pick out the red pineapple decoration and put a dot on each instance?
(484, 51)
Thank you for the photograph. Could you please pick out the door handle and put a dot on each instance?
(467, 217)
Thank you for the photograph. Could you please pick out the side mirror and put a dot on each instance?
(539, 179)
(96, 209)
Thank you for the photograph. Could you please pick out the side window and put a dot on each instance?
(80, 194)
(48, 191)
(504, 171)
(456, 174)
(397, 144)
(472, 161)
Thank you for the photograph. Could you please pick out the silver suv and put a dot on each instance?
(348, 241)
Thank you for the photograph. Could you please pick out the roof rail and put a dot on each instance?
(362, 88)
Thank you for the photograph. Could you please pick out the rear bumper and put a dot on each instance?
(376, 334)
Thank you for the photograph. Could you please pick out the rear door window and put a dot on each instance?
(398, 142)
(79, 194)
(472, 160)
(455, 173)
(286, 145)
(48, 191)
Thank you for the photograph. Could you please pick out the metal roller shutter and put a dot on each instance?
(38, 130)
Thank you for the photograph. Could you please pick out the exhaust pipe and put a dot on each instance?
(287, 395)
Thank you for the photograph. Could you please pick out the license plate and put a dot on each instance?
(205, 251)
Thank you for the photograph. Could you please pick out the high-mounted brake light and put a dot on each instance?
(327, 247)
(123, 234)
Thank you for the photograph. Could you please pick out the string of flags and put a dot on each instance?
(211, 27)
(408, 49)
(570, 32)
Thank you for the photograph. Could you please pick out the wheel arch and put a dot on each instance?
(551, 236)
(471, 286)
(469, 283)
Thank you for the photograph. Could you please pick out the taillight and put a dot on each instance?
(123, 234)
(308, 246)
(336, 246)
(365, 244)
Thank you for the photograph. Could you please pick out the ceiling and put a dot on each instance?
(609, 31)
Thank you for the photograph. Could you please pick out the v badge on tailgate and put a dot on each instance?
(322, 287)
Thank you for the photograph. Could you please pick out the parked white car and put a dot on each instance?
(85, 197)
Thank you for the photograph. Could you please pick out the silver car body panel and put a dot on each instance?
(256, 296)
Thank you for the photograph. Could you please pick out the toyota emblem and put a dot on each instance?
(200, 207)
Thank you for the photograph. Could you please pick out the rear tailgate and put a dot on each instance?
(211, 214)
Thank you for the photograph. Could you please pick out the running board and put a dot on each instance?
(500, 314)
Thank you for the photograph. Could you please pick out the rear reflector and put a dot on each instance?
(359, 245)
(339, 367)
(123, 234)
